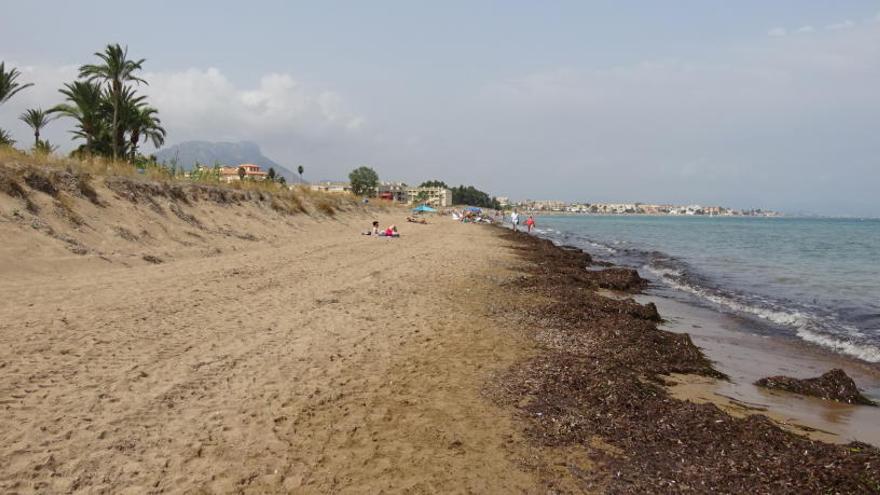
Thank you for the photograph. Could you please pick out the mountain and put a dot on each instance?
(189, 153)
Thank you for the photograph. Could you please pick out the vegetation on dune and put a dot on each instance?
(6, 139)
(84, 104)
(36, 119)
(143, 123)
(9, 86)
(115, 71)
(110, 116)
(111, 121)
(22, 173)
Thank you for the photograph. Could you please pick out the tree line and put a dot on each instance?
(466, 195)
(111, 118)
(364, 182)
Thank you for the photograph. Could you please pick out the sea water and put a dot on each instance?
(817, 280)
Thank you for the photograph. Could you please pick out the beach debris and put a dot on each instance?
(834, 385)
(621, 279)
(598, 375)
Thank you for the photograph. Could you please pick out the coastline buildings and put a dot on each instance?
(333, 187)
(392, 191)
(638, 209)
(437, 197)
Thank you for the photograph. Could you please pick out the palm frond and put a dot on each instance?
(8, 85)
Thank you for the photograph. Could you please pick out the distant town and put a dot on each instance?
(437, 194)
(632, 208)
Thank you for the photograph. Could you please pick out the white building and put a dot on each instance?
(331, 187)
(437, 197)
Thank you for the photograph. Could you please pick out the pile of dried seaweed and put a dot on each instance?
(833, 385)
(598, 377)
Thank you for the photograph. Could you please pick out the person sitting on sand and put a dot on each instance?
(374, 230)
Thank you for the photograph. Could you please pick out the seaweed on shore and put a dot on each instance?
(599, 375)
(834, 385)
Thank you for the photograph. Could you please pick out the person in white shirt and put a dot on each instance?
(514, 220)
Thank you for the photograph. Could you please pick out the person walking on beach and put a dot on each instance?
(530, 223)
(514, 220)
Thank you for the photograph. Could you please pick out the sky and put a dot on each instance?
(748, 104)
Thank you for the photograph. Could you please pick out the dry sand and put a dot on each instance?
(312, 359)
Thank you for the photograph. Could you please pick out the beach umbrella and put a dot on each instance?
(424, 208)
(473, 209)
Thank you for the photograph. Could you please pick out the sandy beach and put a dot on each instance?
(166, 338)
(208, 340)
(322, 361)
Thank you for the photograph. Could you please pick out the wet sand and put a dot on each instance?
(745, 357)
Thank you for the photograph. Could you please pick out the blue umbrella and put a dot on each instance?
(426, 208)
(474, 209)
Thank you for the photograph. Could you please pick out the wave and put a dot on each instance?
(865, 352)
(822, 330)
(805, 323)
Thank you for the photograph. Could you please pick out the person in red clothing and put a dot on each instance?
(530, 223)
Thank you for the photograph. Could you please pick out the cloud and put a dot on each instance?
(205, 104)
(758, 124)
(777, 32)
(847, 24)
(805, 29)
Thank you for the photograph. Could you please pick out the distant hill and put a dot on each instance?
(189, 153)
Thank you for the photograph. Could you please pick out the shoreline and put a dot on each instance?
(840, 324)
(601, 374)
(746, 357)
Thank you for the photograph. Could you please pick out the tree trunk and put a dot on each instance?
(135, 137)
(116, 95)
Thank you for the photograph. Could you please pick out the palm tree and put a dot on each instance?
(6, 139)
(143, 124)
(300, 170)
(8, 86)
(130, 106)
(115, 71)
(36, 119)
(44, 147)
(87, 106)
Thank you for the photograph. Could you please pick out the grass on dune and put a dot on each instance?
(16, 166)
